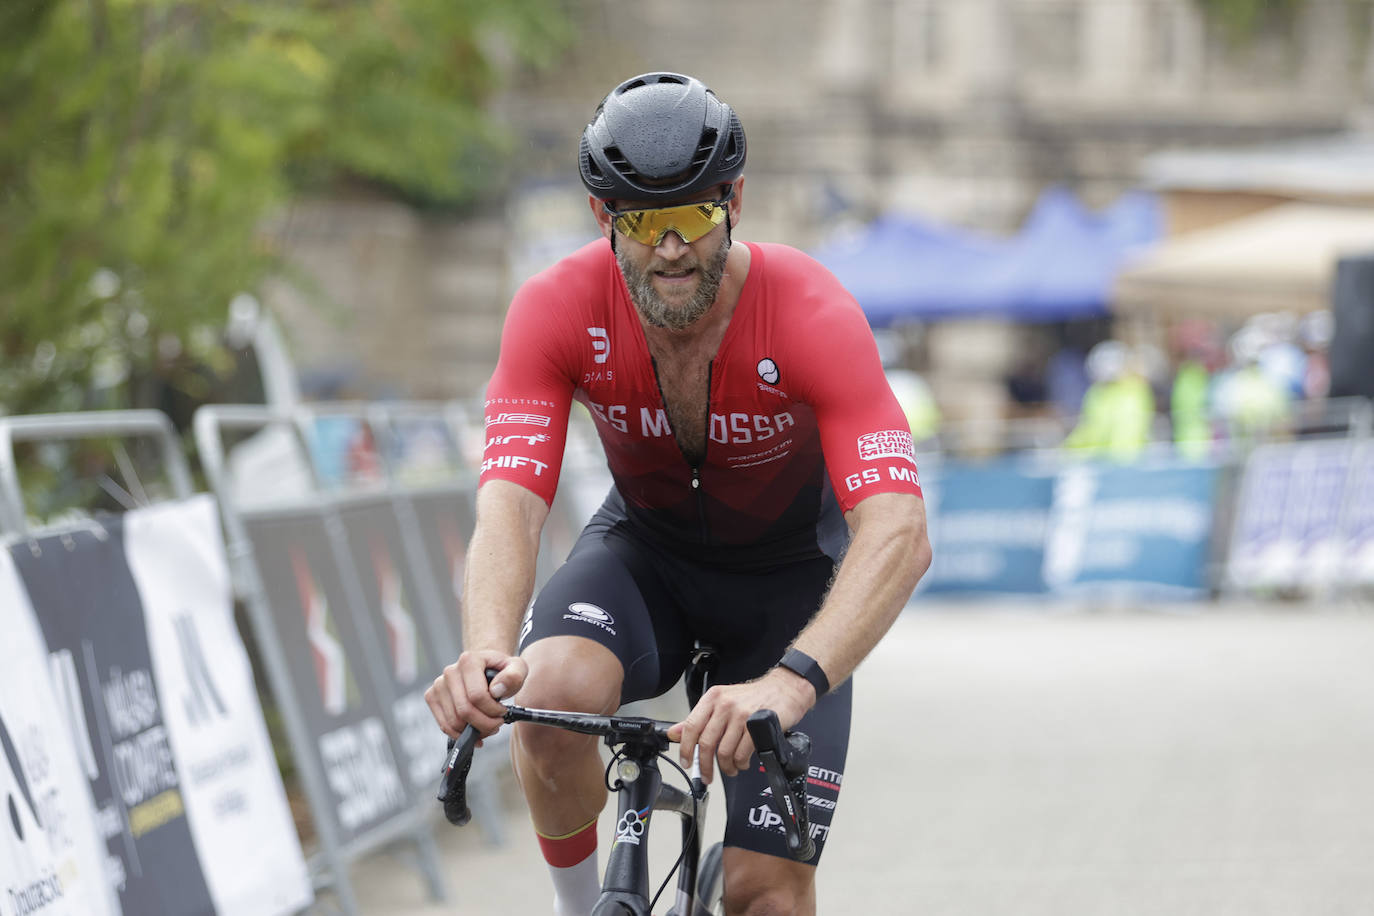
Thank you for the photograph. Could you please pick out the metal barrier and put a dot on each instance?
(354, 731)
(146, 594)
(39, 427)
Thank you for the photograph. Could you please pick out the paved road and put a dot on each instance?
(1019, 760)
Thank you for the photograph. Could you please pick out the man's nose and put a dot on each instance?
(672, 246)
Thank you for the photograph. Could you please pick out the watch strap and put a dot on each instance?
(798, 662)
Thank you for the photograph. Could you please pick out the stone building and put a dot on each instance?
(961, 110)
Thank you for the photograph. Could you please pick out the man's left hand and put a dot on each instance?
(718, 724)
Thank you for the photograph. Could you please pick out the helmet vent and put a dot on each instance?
(617, 159)
(705, 148)
(735, 144)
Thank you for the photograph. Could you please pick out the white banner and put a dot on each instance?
(50, 855)
(235, 802)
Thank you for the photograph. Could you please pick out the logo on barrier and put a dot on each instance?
(400, 624)
(590, 613)
(22, 784)
(331, 666)
(202, 700)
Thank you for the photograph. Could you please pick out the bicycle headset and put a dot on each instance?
(660, 136)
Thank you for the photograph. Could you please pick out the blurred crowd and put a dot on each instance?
(1209, 387)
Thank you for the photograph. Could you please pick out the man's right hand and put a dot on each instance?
(462, 696)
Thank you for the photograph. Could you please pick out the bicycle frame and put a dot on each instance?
(637, 743)
(640, 791)
(625, 884)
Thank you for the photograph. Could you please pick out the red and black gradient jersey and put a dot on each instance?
(803, 424)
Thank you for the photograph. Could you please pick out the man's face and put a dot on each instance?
(672, 284)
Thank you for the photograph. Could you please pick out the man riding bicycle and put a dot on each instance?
(753, 442)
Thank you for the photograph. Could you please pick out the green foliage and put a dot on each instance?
(143, 143)
(1242, 20)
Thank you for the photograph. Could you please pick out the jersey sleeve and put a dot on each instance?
(865, 435)
(529, 395)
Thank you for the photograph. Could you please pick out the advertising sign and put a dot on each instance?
(988, 526)
(393, 590)
(235, 802)
(49, 841)
(317, 632)
(88, 607)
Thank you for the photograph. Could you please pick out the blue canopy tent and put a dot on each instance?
(1059, 266)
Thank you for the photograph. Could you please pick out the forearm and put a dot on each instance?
(498, 577)
(887, 556)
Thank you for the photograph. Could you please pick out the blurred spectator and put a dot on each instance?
(1026, 383)
(1250, 402)
(1314, 335)
(1118, 407)
(1198, 354)
(1280, 358)
(1066, 380)
(912, 393)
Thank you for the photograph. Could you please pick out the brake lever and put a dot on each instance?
(453, 789)
(785, 759)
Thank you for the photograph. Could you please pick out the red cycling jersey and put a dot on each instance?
(796, 390)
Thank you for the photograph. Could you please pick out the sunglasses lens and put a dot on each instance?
(692, 221)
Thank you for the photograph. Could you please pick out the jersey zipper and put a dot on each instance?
(695, 468)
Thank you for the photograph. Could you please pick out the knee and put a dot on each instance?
(765, 901)
(759, 885)
(583, 678)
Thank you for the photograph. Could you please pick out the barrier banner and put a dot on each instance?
(53, 859)
(1304, 517)
(1141, 527)
(333, 688)
(88, 607)
(1357, 524)
(445, 520)
(988, 526)
(392, 591)
(235, 802)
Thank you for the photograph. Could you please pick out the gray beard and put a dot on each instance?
(660, 314)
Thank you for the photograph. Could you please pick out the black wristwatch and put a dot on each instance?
(798, 662)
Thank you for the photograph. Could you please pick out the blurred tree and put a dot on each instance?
(143, 143)
(1243, 19)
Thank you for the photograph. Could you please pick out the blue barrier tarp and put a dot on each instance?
(1021, 528)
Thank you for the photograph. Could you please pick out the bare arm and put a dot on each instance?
(497, 583)
(887, 556)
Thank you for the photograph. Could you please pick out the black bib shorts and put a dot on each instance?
(649, 606)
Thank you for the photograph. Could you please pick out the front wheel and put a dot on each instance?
(711, 883)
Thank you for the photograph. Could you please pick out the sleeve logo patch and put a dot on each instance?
(528, 419)
(888, 443)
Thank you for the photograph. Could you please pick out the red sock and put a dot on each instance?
(571, 848)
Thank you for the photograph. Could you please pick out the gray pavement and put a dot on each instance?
(1037, 760)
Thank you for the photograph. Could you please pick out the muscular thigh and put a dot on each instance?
(610, 591)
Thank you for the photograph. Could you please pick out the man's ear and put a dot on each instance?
(603, 219)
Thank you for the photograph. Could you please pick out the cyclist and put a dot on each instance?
(741, 402)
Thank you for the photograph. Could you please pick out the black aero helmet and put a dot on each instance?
(660, 136)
